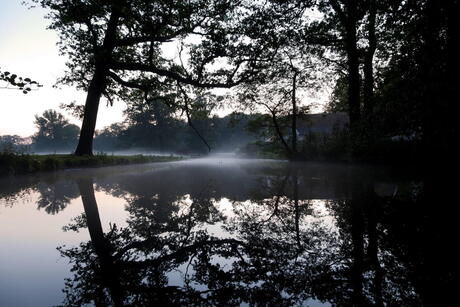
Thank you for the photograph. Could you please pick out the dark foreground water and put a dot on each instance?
(225, 232)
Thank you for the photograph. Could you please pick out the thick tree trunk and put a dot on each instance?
(368, 96)
(97, 87)
(95, 90)
(353, 65)
(354, 101)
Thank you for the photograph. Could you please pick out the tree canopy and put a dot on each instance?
(164, 52)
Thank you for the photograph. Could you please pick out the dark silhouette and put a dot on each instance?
(108, 52)
(54, 132)
(393, 116)
(23, 84)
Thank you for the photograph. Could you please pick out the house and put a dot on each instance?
(321, 123)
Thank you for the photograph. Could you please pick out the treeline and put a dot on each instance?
(54, 133)
(162, 132)
(156, 130)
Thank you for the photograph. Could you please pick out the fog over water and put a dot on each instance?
(217, 230)
(128, 152)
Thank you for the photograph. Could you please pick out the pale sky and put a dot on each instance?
(29, 50)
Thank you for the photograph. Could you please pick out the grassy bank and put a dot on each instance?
(21, 164)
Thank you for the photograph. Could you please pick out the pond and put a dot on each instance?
(222, 232)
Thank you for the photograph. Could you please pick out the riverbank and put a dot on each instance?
(11, 164)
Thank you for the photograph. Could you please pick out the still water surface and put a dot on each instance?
(217, 231)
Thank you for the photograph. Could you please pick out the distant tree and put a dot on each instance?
(54, 131)
(150, 123)
(109, 137)
(13, 144)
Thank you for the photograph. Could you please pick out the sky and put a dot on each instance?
(28, 49)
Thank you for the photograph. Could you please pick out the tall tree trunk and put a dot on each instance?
(294, 115)
(368, 97)
(354, 103)
(353, 64)
(97, 87)
(95, 90)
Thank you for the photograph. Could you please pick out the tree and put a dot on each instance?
(279, 90)
(13, 144)
(427, 32)
(115, 45)
(54, 131)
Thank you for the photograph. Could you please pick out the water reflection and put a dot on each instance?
(255, 233)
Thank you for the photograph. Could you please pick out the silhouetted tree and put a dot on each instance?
(118, 43)
(54, 131)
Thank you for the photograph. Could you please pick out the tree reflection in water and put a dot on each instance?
(284, 242)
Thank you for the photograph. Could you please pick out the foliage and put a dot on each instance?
(156, 128)
(23, 84)
(13, 144)
(338, 99)
(54, 132)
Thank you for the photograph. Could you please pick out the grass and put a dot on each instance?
(11, 163)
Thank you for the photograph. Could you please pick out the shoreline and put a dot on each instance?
(14, 164)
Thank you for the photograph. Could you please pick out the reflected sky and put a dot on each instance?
(216, 231)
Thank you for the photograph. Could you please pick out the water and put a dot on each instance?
(223, 231)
